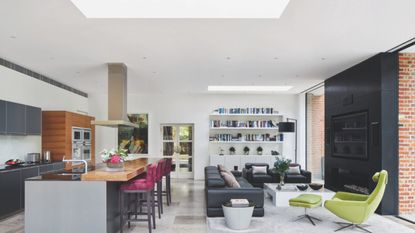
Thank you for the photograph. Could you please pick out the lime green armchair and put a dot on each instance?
(357, 208)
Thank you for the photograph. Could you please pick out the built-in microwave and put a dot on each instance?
(77, 135)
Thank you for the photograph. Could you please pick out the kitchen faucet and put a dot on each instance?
(76, 160)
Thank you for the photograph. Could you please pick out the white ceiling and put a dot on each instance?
(312, 41)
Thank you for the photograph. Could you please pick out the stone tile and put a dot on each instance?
(190, 220)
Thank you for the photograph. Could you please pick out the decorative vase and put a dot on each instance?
(115, 167)
(259, 152)
(282, 177)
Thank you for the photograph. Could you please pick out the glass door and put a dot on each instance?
(178, 143)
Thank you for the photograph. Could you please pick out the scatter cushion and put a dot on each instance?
(230, 180)
(294, 170)
(259, 170)
(221, 168)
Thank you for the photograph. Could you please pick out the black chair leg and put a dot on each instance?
(153, 209)
(160, 194)
(121, 203)
(148, 199)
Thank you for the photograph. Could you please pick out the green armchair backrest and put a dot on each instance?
(376, 196)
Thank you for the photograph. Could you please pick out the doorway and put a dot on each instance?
(177, 143)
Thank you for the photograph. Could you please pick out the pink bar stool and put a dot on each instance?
(142, 186)
(159, 182)
(167, 171)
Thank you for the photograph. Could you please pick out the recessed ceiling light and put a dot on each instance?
(12, 37)
(259, 75)
(248, 88)
(181, 8)
(229, 58)
(323, 58)
(144, 58)
(275, 58)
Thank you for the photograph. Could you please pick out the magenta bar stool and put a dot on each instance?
(141, 186)
(167, 171)
(159, 180)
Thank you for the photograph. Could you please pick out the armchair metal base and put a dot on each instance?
(345, 225)
(307, 216)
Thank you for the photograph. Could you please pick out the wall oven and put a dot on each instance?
(81, 143)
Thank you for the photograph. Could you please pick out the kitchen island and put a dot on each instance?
(72, 202)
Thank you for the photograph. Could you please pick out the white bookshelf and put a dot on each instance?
(239, 159)
(246, 142)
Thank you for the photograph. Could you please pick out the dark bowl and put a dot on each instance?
(315, 186)
(302, 187)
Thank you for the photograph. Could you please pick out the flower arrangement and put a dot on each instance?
(282, 165)
(113, 156)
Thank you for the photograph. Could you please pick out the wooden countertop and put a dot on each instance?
(132, 169)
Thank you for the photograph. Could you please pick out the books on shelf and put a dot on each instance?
(239, 202)
(223, 110)
(243, 124)
(247, 137)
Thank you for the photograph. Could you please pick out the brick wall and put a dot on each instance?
(315, 135)
(407, 133)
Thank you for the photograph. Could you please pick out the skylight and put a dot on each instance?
(248, 88)
(181, 8)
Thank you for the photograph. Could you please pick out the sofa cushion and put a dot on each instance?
(243, 183)
(230, 180)
(294, 170)
(261, 178)
(259, 170)
(249, 165)
(221, 168)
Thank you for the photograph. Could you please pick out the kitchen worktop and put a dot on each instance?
(4, 167)
(132, 169)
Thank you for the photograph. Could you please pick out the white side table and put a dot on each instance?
(238, 218)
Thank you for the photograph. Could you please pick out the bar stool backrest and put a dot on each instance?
(160, 169)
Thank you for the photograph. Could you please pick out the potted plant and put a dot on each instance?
(246, 150)
(114, 159)
(281, 166)
(232, 150)
(259, 150)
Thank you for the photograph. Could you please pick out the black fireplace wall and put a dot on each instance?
(370, 86)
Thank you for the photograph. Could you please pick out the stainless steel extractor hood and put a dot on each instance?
(117, 97)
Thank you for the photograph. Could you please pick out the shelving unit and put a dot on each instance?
(243, 130)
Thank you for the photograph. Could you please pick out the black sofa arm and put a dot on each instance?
(247, 174)
(307, 174)
(217, 197)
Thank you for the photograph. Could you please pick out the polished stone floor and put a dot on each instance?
(188, 214)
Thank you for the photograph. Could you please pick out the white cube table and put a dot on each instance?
(281, 197)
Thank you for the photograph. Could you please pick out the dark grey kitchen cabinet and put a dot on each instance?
(9, 192)
(33, 120)
(45, 168)
(16, 118)
(2, 117)
(26, 173)
(58, 166)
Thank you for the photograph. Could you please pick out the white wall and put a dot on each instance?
(20, 88)
(189, 108)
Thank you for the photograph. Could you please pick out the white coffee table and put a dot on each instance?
(281, 197)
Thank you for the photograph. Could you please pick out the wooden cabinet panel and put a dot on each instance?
(16, 118)
(57, 133)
